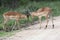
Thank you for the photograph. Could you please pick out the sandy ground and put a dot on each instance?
(34, 33)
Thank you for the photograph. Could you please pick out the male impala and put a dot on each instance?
(46, 11)
(12, 15)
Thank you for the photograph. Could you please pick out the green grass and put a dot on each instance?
(4, 34)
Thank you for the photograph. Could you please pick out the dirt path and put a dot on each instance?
(34, 33)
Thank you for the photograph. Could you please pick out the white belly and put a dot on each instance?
(12, 17)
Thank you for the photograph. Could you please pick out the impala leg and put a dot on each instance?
(40, 21)
(4, 27)
(32, 20)
(14, 26)
(47, 20)
(17, 24)
(52, 22)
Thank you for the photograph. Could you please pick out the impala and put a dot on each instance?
(12, 15)
(46, 11)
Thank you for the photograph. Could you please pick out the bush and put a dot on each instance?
(23, 21)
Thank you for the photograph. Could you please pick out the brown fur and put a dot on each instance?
(13, 15)
(46, 11)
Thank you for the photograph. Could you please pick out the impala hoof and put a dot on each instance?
(40, 28)
(53, 25)
(45, 26)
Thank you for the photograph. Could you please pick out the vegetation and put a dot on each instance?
(4, 34)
